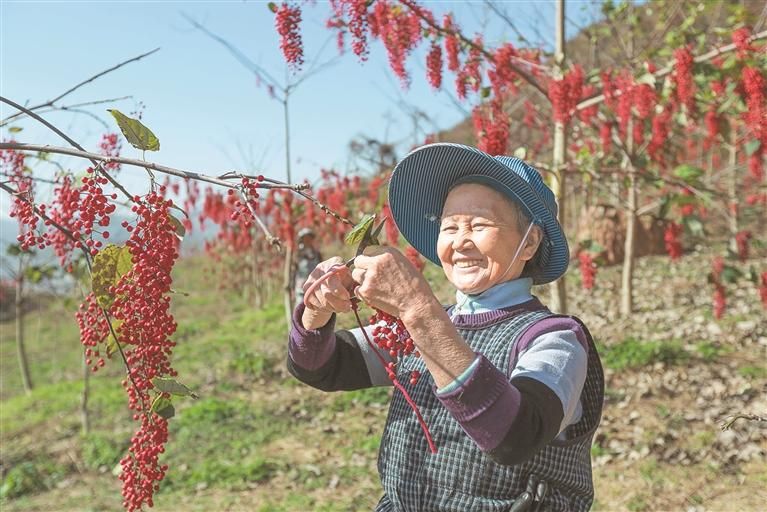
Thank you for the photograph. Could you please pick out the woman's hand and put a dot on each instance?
(388, 281)
(330, 296)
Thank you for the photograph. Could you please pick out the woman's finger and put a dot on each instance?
(358, 275)
(335, 302)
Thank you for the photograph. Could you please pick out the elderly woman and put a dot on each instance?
(512, 393)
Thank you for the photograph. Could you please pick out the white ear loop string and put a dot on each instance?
(520, 246)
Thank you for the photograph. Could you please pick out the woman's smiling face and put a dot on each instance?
(478, 237)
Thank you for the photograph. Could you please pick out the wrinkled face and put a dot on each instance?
(478, 238)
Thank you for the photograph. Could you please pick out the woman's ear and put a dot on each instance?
(534, 239)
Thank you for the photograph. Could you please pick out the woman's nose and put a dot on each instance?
(462, 240)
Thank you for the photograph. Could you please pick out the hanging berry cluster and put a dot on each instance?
(288, 21)
(142, 306)
(391, 336)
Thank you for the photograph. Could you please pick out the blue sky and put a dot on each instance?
(206, 108)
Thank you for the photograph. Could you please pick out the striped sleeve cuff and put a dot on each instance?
(461, 379)
(311, 348)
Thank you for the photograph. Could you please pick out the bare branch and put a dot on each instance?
(243, 59)
(50, 103)
(730, 420)
(68, 139)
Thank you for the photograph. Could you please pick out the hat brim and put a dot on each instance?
(421, 181)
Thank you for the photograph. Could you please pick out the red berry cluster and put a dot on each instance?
(502, 76)
(741, 38)
(682, 76)
(671, 240)
(565, 94)
(288, 20)
(94, 208)
(452, 43)
(242, 211)
(399, 31)
(661, 127)
(393, 336)
(434, 66)
(63, 212)
(742, 238)
(588, 268)
(142, 305)
(110, 146)
(94, 329)
(491, 127)
(12, 163)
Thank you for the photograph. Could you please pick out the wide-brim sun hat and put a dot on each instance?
(420, 183)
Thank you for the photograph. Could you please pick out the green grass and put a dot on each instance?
(753, 371)
(634, 353)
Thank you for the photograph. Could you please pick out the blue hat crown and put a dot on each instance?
(533, 178)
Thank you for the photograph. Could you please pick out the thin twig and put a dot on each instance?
(68, 139)
(50, 103)
(730, 420)
(273, 240)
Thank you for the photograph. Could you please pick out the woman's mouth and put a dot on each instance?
(467, 263)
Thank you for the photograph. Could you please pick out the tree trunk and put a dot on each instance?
(19, 310)
(558, 291)
(627, 277)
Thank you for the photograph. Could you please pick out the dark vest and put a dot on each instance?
(460, 477)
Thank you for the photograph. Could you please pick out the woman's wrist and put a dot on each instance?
(418, 311)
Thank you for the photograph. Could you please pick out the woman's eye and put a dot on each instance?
(449, 229)
(479, 226)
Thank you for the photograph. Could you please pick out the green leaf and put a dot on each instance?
(485, 92)
(173, 387)
(272, 7)
(180, 209)
(109, 266)
(15, 129)
(520, 152)
(729, 63)
(13, 250)
(751, 147)
(33, 274)
(178, 227)
(357, 233)
(730, 274)
(688, 173)
(163, 407)
(138, 135)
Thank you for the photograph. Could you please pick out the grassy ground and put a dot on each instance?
(257, 440)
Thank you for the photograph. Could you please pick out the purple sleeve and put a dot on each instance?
(311, 348)
(509, 416)
(485, 405)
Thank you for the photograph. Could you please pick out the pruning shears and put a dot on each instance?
(365, 234)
